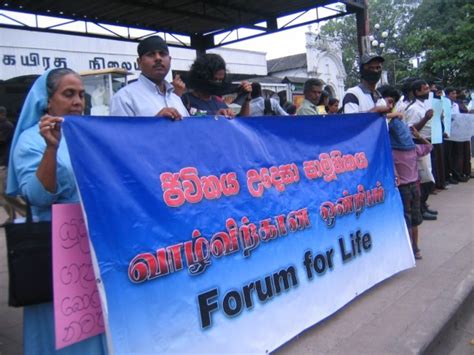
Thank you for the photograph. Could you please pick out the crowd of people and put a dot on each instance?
(40, 168)
(421, 168)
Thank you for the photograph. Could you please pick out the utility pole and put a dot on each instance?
(362, 22)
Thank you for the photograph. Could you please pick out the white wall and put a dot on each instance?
(324, 61)
(329, 72)
(324, 58)
(28, 52)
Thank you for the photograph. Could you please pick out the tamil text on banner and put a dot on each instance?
(235, 235)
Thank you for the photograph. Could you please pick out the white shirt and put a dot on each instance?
(414, 114)
(454, 108)
(359, 99)
(401, 105)
(257, 107)
(144, 98)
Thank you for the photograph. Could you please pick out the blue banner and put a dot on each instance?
(216, 235)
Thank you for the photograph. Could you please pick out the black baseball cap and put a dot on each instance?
(367, 57)
(153, 43)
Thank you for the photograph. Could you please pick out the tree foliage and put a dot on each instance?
(439, 32)
(443, 32)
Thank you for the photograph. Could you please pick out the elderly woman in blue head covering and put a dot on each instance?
(41, 172)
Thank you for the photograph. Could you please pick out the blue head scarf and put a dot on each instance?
(400, 135)
(33, 109)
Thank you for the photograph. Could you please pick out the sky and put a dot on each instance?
(278, 44)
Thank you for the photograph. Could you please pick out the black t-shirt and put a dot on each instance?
(200, 107)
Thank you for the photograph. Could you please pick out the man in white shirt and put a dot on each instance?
(454, 150)
(264, 107)
(416, 113)
(151, 94)
(407, 96)
(452, 95)
(365, 97)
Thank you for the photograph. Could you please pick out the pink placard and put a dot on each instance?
(77, 308)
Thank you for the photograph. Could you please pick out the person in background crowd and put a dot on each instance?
(405, 155)
(323, 102)
(283, 100)
(455, 151)
(452, 94)
(178, 85)
(436, 89)
(418, 116)
(333, 106)
(264, 107)
(437, 154)
(365, 97)
(151, 94)
(465, 168)
(6, 134)
(40, 170)
(451, 147)
(391, 96)
(464, 96)
(291, 109)
(207, 82)
(407, 95)
(9, 203)
(313, 89)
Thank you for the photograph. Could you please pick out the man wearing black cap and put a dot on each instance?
(151, 94)
(365, 97)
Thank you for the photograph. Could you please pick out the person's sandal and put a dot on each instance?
(418, 255)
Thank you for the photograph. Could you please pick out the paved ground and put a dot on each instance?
(407, 314)
(404, 314)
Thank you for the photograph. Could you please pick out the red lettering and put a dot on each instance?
(172, 191)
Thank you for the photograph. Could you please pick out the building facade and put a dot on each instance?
(31, 53)
(322, 60)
